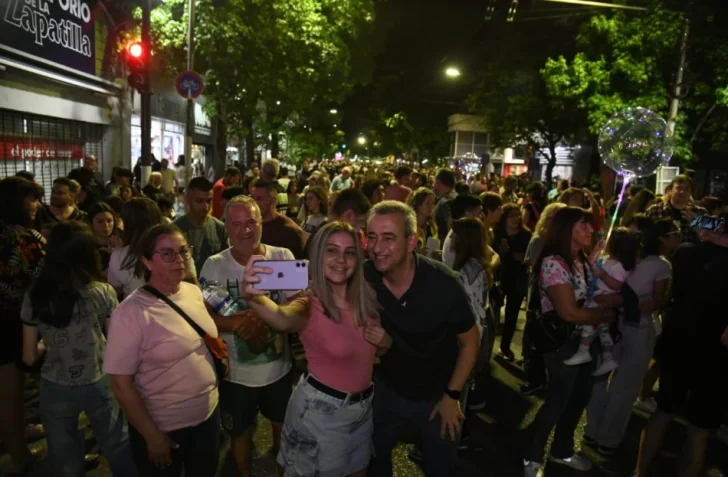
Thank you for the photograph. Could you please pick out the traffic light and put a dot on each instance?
(137, 60)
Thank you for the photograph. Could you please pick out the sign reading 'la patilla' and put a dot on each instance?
(61, 31)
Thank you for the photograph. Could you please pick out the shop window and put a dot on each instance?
(47, 147)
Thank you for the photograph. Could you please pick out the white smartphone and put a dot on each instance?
(287, 275)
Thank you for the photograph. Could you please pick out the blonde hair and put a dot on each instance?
(359, 295)
(547, 215)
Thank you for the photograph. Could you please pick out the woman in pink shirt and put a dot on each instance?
(161, 371)
(327, 431)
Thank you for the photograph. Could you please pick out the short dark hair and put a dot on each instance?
(272, 186)
(369, 187)
(231, 192)
(164, 203)
(13, 192)
(446, 177)
(123, 172)
(199, 183)
(490, 201)
(25, 175)
(681, 179)
(351, 199)
(402, 171)
(624, 246)
(461, 204)
(148, 243)
(232, 171)
(72, 184)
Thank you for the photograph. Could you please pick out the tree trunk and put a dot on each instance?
(550, 166)
(275, 145)
(249, 142)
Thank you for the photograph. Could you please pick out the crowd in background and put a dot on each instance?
(446, 251)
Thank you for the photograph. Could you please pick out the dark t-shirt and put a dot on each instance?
(44, 218)
(700, 299)
(512, 273)
(424, 324)
(284, 232)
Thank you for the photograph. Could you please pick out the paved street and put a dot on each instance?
(495, 440)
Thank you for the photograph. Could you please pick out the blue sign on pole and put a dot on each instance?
(189, 84)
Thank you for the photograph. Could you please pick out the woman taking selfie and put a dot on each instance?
(328, 425)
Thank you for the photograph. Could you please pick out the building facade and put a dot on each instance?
(60, 97)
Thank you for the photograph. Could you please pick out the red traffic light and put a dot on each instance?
(136, 50)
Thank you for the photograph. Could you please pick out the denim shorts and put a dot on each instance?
(324, 436)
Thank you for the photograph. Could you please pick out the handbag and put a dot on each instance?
(216, 346)
(547, 330)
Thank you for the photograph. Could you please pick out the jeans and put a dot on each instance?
(610, 407)
(198, 452)
(390, 411)
(59, 409)
(514, 299)
(568, 394)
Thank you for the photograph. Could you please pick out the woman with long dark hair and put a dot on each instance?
(22, 250)
(68, 306)
(511, 240)
(102, 219)
(563, 280)
(125, 272)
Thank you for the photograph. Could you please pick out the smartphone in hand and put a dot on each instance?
(286, 275)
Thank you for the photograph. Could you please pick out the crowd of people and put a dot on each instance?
(108, 294)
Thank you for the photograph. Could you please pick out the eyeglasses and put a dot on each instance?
(169, 255)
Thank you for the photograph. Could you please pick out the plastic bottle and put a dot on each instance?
(218, 298)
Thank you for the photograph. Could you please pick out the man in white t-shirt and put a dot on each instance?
(257, 381)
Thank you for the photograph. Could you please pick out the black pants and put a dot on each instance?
(533, 360)
(198, 452)
(514, 299)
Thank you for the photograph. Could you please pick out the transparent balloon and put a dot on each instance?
(635, 142)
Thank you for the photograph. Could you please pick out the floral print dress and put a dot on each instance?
(555, 271)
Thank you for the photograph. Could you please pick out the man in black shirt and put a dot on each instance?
(693, 352)
(434, 343)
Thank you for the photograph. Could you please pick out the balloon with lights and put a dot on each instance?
(634, 143)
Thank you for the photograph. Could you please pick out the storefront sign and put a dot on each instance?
(60, 31)
(28, 149)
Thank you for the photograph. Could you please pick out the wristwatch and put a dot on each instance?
(453, 394)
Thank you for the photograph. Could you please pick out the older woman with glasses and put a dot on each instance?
(161, 370)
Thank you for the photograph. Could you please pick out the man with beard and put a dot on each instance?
(435, 343)
(63, 205)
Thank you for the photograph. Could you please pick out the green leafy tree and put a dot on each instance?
(624, 59)
(265, 61)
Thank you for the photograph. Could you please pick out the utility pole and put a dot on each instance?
(677, 92)
(190, 130)
(146, 95)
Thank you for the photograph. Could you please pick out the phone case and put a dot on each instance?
(287, 275)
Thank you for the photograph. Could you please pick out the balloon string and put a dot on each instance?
(620, 198)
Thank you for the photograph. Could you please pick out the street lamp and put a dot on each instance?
(333, 111)
(361, 140)
(452, 72)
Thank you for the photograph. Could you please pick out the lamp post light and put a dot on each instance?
(333, 111)
(452, 72)
(361, 140)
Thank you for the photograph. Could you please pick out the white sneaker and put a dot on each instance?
(648, 405)
(606, 367)
(531, 469)
(580, 357)
(576, 462)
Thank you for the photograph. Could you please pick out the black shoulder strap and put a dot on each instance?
(173, 305)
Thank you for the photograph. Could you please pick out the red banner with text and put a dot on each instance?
(39, 149)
